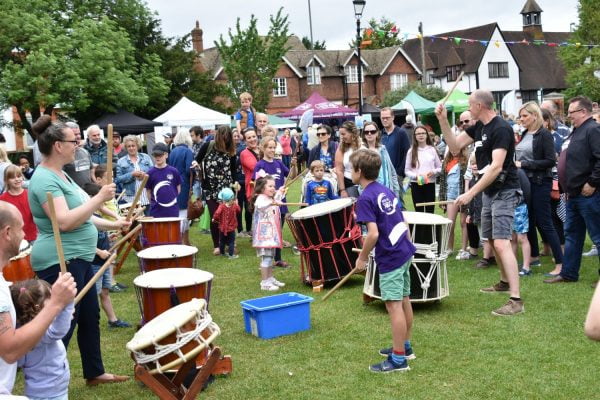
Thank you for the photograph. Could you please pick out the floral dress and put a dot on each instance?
(217, 173)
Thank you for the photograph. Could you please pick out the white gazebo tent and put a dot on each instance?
(186, 114)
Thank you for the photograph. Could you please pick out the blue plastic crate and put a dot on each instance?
(278, 315)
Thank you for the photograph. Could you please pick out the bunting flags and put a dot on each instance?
(369, 32)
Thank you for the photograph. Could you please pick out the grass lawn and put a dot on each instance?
(463, 352)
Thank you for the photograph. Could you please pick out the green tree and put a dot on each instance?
(381, 34)
(315, 46)
(251, 61)
(582, 63)
(432, 93)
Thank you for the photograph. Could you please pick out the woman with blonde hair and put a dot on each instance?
(132, 168)
(349, 143)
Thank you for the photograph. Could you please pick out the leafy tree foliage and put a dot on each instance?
(251, 61)
(315, 46)
(432, 93)
(582, 63)
(379, 34)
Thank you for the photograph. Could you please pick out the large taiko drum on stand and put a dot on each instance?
(167, 256)
(176, 336)
(428, 273)
(160, 290)
(19, 267)
(160, 231)
(326, 234)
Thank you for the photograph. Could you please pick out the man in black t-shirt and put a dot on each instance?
(494, 146)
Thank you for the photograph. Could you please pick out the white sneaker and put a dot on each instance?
(592, 253)
(269, 286)
(461, 255)
(276, 282)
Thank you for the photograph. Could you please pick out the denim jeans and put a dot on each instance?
(540, 216)
(582, 212)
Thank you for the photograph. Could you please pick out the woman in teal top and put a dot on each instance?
(77, 225)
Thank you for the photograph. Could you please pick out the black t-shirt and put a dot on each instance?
(497, 134)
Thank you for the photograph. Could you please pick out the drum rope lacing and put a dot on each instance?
(203, 322)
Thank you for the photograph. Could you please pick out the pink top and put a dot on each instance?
(248, 161)
(285, 142)
(428, 160)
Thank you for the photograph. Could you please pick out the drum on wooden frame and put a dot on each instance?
(160, 231)
(19, 267)
(158, 291)
(326, 233)
(174, 337)
(167, 256)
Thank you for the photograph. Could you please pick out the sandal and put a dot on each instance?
(216, 251)
(282, 264)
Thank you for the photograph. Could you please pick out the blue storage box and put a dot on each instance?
(281, 314)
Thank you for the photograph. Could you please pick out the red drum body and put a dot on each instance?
(162, 289)
(19, 267)
(160, 231)
(167, 256)
(326, 234)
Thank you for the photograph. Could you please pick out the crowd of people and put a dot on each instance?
(502, 180)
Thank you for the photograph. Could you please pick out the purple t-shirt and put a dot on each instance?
(378, 204)
(277, 170)
(163, 183)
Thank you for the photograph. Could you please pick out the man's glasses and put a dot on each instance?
(75, 142)
(466, 121)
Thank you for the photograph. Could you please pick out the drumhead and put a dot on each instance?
(165, 324)
(176, 277)
(317, 210)
(148, 220)
(125, 206)
(421, 218)
(167, 251)
(24, 250)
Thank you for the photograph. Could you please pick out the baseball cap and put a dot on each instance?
(160, 148)
(225, 194)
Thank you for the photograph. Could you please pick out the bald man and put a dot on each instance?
(494, 152)
(15, 343)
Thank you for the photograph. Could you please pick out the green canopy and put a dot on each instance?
(420, 104)
(458, 100)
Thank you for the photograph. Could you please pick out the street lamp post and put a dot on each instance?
(359, 5)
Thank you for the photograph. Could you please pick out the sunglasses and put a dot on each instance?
(466, 121)
(370, 131)
(322, 133)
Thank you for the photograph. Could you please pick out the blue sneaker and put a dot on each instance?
(525, 272)
(408, 353)
(118, 324)
(389, 366)
(536, 263)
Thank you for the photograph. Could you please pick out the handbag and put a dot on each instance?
(195, 207)
(555, 193)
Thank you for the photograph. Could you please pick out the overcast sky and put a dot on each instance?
(333, 20)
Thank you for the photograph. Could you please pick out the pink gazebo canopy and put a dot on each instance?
(322, 108)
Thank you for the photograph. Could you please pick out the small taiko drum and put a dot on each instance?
(160, 290)
(19, 267)
(167, 256)
(326, 233)
(159, 231)
(174, 337)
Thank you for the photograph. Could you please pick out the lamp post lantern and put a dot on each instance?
(359, 6)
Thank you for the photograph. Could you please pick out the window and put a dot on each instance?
(280, 89)
(352, 74)
(313, 75)
(452, 72)
(398, 81)
(430, 78)
(498, 69)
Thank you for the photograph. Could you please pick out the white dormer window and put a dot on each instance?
(398, 81)
(313, 75)
(352, 74)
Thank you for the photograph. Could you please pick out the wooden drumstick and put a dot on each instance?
(293, 204)
(434, 203)
(120, 196)
(109, 155)
(340, 283)
(290, 181)
(456, 82)
(56, 231)
(124, 238)
(97, 276)
(138, 194)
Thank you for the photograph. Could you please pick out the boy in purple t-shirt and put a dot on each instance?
(379, 208)
(164, 184)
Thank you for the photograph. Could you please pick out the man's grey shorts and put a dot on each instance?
(498, 213)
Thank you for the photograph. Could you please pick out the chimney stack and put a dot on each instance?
(197, 42)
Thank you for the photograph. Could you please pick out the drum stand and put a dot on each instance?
(123, 252)
(173, 389)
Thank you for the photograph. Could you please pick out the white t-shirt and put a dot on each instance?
(8, 372)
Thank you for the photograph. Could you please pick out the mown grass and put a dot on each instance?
(463, 352)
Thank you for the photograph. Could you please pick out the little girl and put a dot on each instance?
(226, 218)
(17, 196)
(269, 165)
(45, 367)
(266, 228)
(452, 185)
